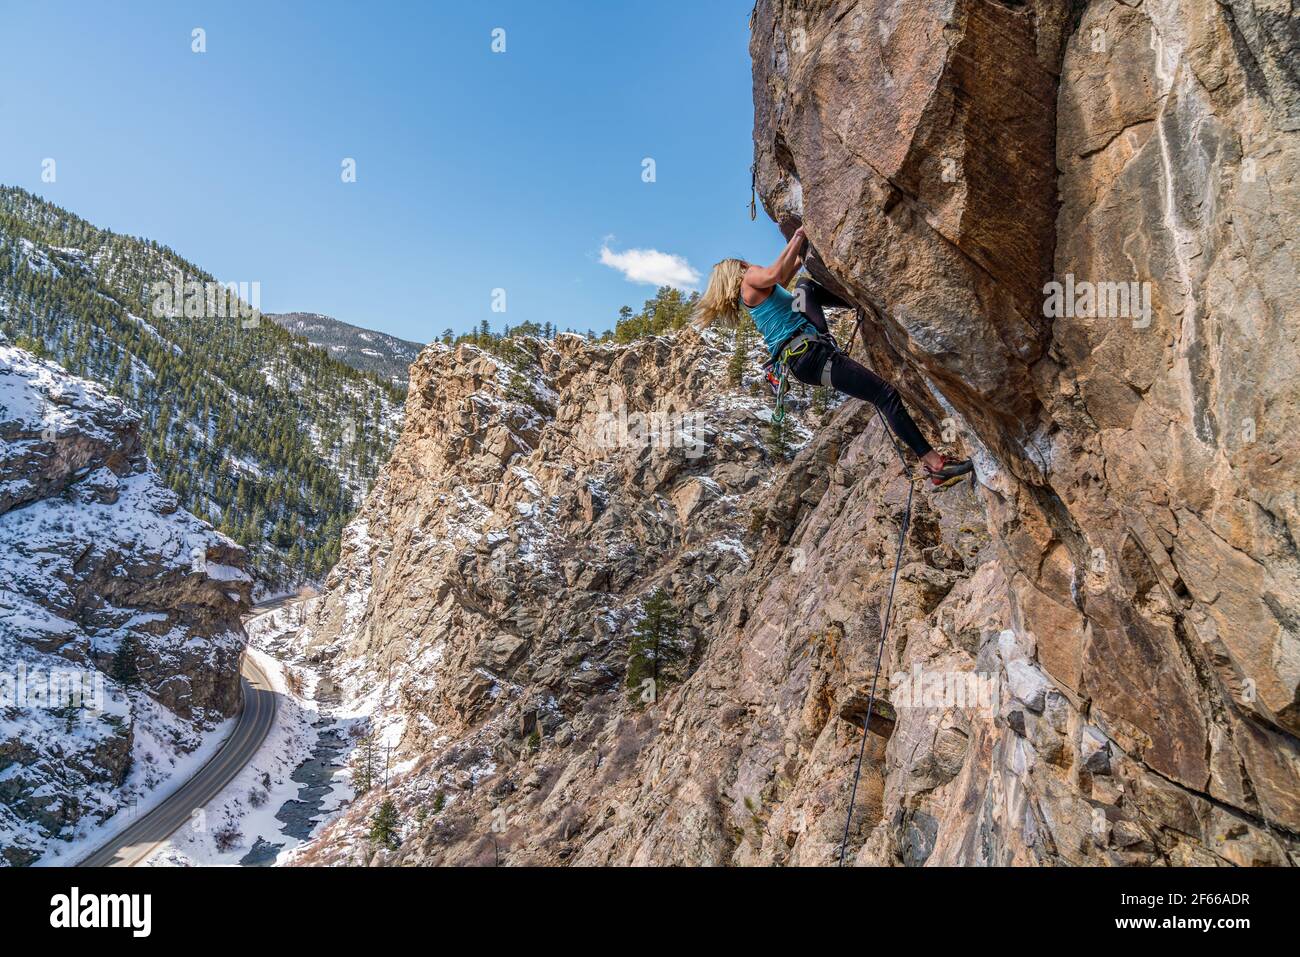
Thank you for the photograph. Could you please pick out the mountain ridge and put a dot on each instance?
(271, 439)
(362, 348)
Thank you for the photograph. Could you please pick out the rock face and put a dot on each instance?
(1094, 657)
(486, 591)
(1136, 474)
(120, 630)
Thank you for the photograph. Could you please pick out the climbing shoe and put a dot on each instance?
(950, 473)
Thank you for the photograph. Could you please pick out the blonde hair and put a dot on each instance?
(721, 300)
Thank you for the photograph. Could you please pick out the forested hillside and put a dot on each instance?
(364, 349)
(269, 438)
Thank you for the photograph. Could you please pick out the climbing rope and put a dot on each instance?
(884, 636)
(888, 619)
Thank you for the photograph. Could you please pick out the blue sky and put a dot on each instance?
(475, 170)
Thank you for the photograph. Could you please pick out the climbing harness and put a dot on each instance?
(884, 636)
(777, 368)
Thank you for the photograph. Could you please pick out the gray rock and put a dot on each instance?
(1027, 684)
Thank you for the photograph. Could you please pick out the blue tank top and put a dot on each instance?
(776, 319)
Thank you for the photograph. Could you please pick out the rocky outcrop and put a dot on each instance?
(1093, 658)
(120, 630)
(1131, 423)
(482, 606)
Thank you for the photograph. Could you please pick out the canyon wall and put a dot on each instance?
(1135, 469)
(120, 631)
(1094, 657)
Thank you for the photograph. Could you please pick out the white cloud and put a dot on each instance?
(652, 267)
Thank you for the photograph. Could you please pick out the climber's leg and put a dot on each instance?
(856, 380)
(814, 298)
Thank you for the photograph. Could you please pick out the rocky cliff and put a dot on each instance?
(120, 630)
(1073, 230)
(1076, 227)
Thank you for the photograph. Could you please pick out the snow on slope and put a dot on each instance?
(120, 613)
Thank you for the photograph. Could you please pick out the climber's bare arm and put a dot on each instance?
(762, 278)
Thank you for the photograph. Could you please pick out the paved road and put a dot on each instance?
(142, 836)
(271, 604)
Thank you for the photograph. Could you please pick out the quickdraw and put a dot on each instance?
(777, 372)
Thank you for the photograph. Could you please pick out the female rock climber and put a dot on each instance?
(801, 340)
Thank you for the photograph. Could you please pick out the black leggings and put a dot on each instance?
(847, 376)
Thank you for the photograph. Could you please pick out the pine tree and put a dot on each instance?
(384, 824)
(363, 768)
(740, 352)
(778, 439)
(656, 650)
(124, 669)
